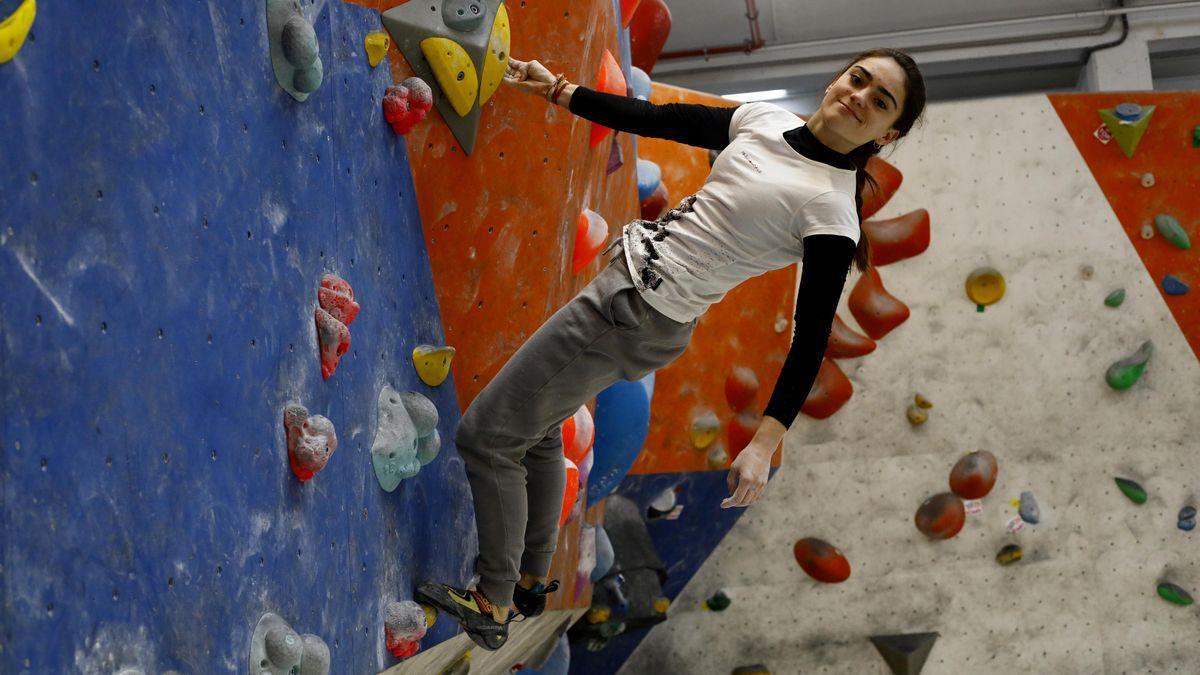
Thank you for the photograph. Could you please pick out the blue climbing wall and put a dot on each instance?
(167, 212)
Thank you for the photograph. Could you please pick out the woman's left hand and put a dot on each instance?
(748, 475)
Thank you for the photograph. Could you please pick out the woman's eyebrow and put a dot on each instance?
(885, 91)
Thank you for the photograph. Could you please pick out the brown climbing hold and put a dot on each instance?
(741, 387)
(899, 238)
(974, 475)
(876, 311)
(829, 392)
(916, 415)
(845, 343)
(821, 560)
(941, 516)
(888, 179)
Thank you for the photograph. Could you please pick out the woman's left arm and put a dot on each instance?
(827, 259)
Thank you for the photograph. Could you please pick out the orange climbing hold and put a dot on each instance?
(741, 388)
(829, 393)
(591, 231)
(845, 343)
(894, 239)
(941, 516)
(821, 560)
(571, 491)
(876, 311)
(974, 475)
(888, 177)
(578, 435)
(609, 80)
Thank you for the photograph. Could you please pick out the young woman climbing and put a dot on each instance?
(780, 191)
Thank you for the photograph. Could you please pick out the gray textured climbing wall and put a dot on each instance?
(1006, 187)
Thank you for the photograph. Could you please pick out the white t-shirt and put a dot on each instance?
(758, 203)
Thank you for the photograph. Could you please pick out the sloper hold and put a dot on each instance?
(974, 475)
(649, 175)
(432, 363)
(591, 231)
(876, 311)
(656, 204)
(406, 436)
(1132, 489)
(276, 649)
(578, 435)
(14, 28)
(941, 516)
(888, 179)
(821, 560)
(1124, 373)
(1127, 123)
(295, 54)
(1169, 227)
(610, 80)
(898, 238)
(704, 429)
(985, 286)
(905, 654)
(454, 71)
(495, 59)
(649, 28)
(741, 388)
(829, 393)
(846, 343)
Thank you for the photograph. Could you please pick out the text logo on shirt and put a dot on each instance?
(751, 161)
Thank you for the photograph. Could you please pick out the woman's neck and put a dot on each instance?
(825, 136)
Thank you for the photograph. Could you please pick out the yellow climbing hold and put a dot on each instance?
(376, 45)
(432, 363)
(597, 615)
(985, 286)
(704, 429)
(454, 71)
(495, 60)
(431, 615)
(14, 28)
(661, 605)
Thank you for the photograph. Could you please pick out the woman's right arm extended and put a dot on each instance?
(690, 123)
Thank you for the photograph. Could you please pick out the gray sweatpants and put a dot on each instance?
(510, 437)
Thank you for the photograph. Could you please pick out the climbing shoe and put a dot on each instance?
(531, 602)
(470, 609)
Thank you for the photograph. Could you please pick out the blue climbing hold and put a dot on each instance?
(557, 663)
(639, 81)
(622, 422)
(604, 555)
(648, 178)
(1173, 285)
(1187, 518)
(1128, 111)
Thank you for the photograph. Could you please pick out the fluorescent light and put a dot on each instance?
(765, 95)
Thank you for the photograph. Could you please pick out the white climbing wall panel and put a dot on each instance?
(1005, 187)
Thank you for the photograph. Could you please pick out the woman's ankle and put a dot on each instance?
(528, 581)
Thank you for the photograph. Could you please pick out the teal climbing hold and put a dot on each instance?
(1124, 373)
(905, 654)
(295, 53)
(1172, 593)
(1115, 298)
(1169, 227)
(1173, 285)
(1135, 492)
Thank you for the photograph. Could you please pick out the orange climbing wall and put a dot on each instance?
(1165, 151)
(500, 224)
(738, 331)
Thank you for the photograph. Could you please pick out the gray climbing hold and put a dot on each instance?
(1115, 298)
(295, 53)
(1029, 508)
(276, 649)
(1172, 231)
(905, 654)
(463, 15)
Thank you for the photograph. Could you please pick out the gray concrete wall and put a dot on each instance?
(1006, 187)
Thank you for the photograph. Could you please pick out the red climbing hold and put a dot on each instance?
(974, 475)
(578, 435)
(648, 32)
(571, 491)
(898, 238)
(609, 80)
(741, 388)
(829, 393)
(311, 441)
(407, 104)
(741, 431)
(941, 516)
(876, 311)
(845, 343)
(591, 231)
(336, 309)
(628, 7)
(654, 205)
(821, 560)
(888, 178)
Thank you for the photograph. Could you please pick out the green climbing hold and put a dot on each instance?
(1196, 137)
(1172, 593)
(1124, 373)
(1170, 228)
(1115, 298)
(719, 602)
(1135, 492)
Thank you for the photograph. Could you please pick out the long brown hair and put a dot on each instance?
(914, 105)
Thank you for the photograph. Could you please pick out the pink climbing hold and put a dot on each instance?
(877, 312)
(591, 231)
(407, 104)
(311, 441)
(336, 309)
(403, 627)
(571, 491)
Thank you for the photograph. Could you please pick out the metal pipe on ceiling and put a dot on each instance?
(892, 35)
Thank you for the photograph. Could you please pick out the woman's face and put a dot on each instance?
(865, 101)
